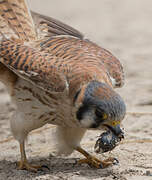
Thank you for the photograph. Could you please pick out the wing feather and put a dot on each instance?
(75, 46)
(54, 26)
(17, 16)
(32, 65)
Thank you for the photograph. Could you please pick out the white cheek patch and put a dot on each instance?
(87, 120)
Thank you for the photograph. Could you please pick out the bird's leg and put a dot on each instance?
(93, 161)
(23, 164)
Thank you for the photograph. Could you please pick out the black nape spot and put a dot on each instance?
(81, 112)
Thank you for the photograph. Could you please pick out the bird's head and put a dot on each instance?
(99, 106)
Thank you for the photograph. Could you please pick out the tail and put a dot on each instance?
(16, 20)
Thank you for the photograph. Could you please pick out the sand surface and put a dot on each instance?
(124, 28)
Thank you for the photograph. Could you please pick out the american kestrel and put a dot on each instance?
(56, 76)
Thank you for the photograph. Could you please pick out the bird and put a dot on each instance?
(56, 76)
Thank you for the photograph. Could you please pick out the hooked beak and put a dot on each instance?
(116, 130)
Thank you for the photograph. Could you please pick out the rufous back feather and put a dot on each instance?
(16, 20)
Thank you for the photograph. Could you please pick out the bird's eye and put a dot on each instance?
(101, 114)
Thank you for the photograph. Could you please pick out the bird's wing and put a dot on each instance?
(32, 65)
(27, 62)
(50, 73)
(75, 49)
(53, 26)
(75, 45)
(15, 15)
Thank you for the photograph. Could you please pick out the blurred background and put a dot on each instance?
(125, 29)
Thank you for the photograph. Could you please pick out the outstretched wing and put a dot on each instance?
(32, 65)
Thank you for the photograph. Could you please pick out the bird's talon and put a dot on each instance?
(92, 162)
(33, 168)
(116, 161)
(112, 160)
(101, 166)
(45, 166)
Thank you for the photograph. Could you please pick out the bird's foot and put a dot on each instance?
(93, 161)
(96, 163)
(24, 165)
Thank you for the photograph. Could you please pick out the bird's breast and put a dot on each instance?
(39, 107)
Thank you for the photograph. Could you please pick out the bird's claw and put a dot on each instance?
(45, 166)
(115, 161)
(24, 165)
(96, 163)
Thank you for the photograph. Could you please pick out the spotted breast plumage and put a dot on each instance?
(56, 76)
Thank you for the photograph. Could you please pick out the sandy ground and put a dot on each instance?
(124, 28)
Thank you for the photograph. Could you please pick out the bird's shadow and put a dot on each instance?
(56, 165)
